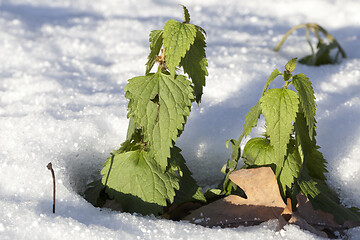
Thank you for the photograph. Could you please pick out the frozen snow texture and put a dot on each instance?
(64, 64)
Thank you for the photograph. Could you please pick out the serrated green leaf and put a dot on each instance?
(253, 115)
(235, 155)
(195, 64)
(230, 166)
(271, 78)
(178, 37)
(137, 174)
(291, 168)
(307, 99)
(251, 119)
(291, 65)
(189, 190)
(321, 57)
(201, 30)
(156, 41)
(259, 152)
(279, 107)
(186, 14)
(321, 197)
(160, 105)
(131, 129)
(311, 157)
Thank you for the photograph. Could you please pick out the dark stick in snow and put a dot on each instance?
(49, 166)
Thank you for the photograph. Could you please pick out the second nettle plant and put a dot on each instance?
(148, 172)
(288, 145)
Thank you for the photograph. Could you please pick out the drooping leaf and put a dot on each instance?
(156, 41)
(322, 55)
(195, 64)
(160, 105)
(253, 115)
(312, 158)
(271, 78)
(321, 197)
(307, 99)
(251, 119)
(291, 168)
(228, 168)
(178, 37)
(131, 129)
(189, 190)
(236, 151)
(137, 174)
(279, 107)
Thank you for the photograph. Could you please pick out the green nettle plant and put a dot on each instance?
(288, 146)
(323, 48)
(148, 172)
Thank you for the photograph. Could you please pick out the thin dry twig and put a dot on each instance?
(49, 166)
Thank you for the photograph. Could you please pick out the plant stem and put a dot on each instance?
(308, 39)
(49, 166)
(287, 34)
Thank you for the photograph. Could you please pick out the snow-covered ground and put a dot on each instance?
(63, 68)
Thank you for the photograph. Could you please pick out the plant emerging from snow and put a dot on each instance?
(323, 48)
(148, 172)
(288, 146)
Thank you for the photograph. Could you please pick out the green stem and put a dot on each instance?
(287, 34)
(308, 40)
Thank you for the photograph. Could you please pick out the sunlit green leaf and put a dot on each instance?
(159, 104)
(279, 107)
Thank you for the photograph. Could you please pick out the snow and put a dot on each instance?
(64, 65)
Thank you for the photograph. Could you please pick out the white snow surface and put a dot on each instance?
(64, 65)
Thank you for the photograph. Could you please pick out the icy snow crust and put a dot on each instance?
(64, 65)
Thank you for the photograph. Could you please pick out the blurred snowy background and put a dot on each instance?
(63, 68)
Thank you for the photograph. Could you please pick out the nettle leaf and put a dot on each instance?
(321, 197)
(136, 173)
(189, 190)
(259, 152)
(271, 78)
(253, 115)
(291, 168)
(156, 41)
(311, 156)
(307, 99)
(322, 55)
(195, 64)
(186, 14)
(251, 120)
(291, 65)
(178, 37)
(279, 107)
(159, 104)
